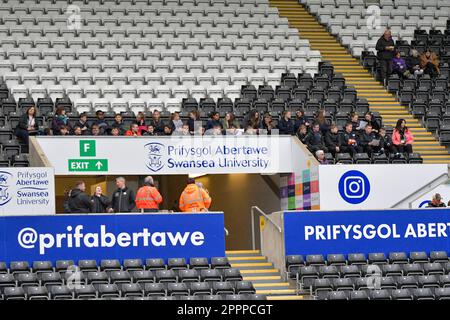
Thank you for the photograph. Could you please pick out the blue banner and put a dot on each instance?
(127, 236)
(329, 232)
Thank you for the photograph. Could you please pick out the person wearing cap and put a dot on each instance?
(148, 197)
(194, 199)
(436, 202)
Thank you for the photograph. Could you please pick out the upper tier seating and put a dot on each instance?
(350, 20)
(157, 51)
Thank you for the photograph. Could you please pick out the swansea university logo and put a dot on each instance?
(155, 153)
(5, 196)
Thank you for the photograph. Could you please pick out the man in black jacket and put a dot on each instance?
(123, 198)
(314, 140)
(79, 201)
(348, 140)
(332, 140)
(385, 47)
(100, 203)
(386, 145)
(366, 139)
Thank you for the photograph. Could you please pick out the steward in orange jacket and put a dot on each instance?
(148, 197)
(194, 198)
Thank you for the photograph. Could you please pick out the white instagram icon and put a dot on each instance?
(354, 187)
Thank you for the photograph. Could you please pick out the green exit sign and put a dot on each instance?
(87, 148)
(85, 165)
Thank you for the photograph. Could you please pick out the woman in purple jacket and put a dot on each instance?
(399, 66)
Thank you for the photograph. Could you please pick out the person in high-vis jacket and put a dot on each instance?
(194, 198)
(148, 197)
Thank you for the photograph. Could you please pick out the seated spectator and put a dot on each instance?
(254, 119)
(436, 202)
(368, 141)
(64, 130)
(95, 130)
(314, 140)
(134, 130)
(101, 122)
(402, 138)
(286, 125)
(399, 66)
(77, 131)
(194, 119)
(213, 121)
(60, 119)
(386, 145)
(199, 131)
(299, 120)
(370, 119)
(83, 124)
(429, 62)
(140, 121)
(176, 122)
(150, 131)
(302, 133)
(167, 131)
(230, 122)
(184, 131)
(322, 121)
(119, 124)
(354, 119)
(157, 123)
(268, 124)
(27, 125)
(332, 140)
(413, 63)
(348, 140)
(320, 156)
(115, 132)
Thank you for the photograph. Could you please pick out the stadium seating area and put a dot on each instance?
(134, 279)
(146, 54)
(350, 21)
(377, 277)
(426, 97)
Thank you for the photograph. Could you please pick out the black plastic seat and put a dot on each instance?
(377, 258)
(133, 265)
(428, 281)
(154, 289)
(19, 267)
(357, 259)
(328, 272)
(14, 293)
(62, 265)
(392, 270)
(97, 277)
(51, 279)
(344, 284)
(143, 276)
(359, 295)
(442, 293)
(232, 274)
(85, 292)
(398, 257)
(120, 276)
(210, 275)
(27, 279)
(199, 263)
(37, 293)
(131, 290)
(220, 263)
(88, 265)
(61, 292)
(108, 291)
(337, 295)
(200, 288)
(433, 268)
(423, 294)
(379, 294)
(242, 287)
(418, 257)
(176, 264)
(412, 269)
(177, 289)
(315, 260)
(188, 275)
(438, 256)
(42, 266)
(165, 276)
(336, 260)
(222, 288)
(401, 294)
(407, 282)
(351, 271)
(110, 265)
(155, 264)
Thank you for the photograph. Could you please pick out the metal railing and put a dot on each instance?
(256, 210)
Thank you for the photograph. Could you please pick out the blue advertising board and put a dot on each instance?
(329, 232)
(132, 236)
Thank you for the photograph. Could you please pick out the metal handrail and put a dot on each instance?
(425, 185)
(254, 210)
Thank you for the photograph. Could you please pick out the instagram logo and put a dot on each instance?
(354, 187)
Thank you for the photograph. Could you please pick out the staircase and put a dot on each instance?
(366, 86)
(265, 278)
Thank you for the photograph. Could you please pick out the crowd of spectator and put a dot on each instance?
(392, 62)
(358, 136)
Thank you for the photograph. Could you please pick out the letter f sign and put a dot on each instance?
(87, 148)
